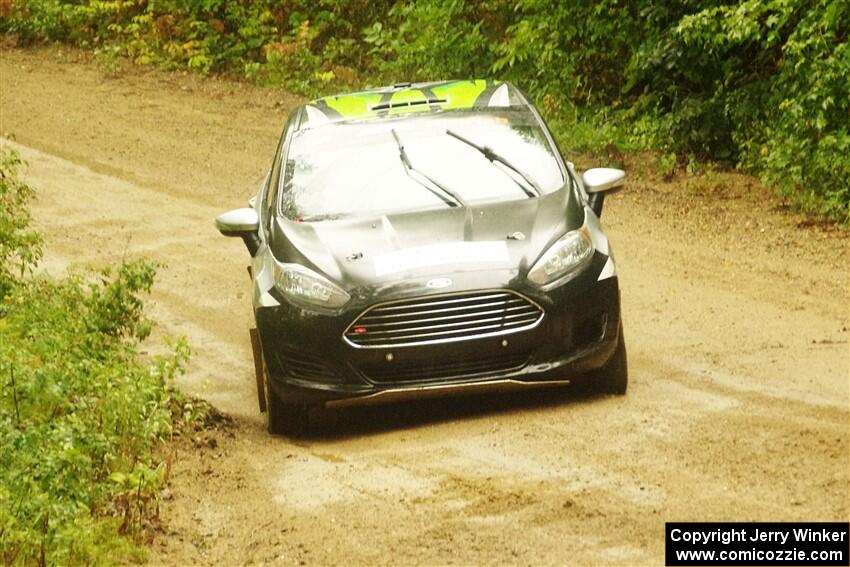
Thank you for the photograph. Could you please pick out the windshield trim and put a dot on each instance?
(338, 217)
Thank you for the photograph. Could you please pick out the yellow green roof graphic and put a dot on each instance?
(408, 98)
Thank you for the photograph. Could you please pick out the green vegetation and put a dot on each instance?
(81, 412)
(760, 84)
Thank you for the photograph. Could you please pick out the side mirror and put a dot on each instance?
(244, 223)
(598, 181)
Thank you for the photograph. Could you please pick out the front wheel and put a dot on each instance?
(613, 378)
(283, 418)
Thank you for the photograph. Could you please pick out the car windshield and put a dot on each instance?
(357, 168)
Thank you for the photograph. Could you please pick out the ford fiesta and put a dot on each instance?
(426, 239)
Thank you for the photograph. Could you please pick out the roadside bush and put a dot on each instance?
(427, 40)
(81, 411)
(20, 246)
(760, 83)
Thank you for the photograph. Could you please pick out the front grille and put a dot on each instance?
(443, 318)
(390, 372)
(306, 367)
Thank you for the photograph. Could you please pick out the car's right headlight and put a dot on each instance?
(564, 259)
(303, 285)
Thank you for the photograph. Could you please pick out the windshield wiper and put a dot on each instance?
(451, 198)
(491, 155)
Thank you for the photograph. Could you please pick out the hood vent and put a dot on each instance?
(406, 104)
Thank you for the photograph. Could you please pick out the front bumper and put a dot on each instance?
(309, 362)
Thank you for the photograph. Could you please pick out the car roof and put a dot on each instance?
(408, 98)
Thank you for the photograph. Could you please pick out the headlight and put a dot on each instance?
(563, 259)
(303, 285)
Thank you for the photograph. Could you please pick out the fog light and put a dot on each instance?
(591, 330)
(389, 357)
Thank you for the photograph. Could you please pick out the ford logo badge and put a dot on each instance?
(439, 283)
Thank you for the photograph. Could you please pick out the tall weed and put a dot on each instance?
(81, 410)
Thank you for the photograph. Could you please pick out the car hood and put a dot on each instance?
(505, 236)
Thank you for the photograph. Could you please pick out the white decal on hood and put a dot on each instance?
(438, 254)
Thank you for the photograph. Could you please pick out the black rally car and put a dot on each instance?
(424, 239)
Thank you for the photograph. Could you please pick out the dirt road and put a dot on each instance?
(736, 315)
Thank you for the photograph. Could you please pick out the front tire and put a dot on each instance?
(613, 378)
(283, 418)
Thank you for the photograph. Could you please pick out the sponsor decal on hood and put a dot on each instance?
(466, 253)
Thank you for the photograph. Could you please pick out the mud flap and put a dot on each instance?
(257, 349)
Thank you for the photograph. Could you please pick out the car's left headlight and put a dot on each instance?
(564, 259)
(303, 285)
